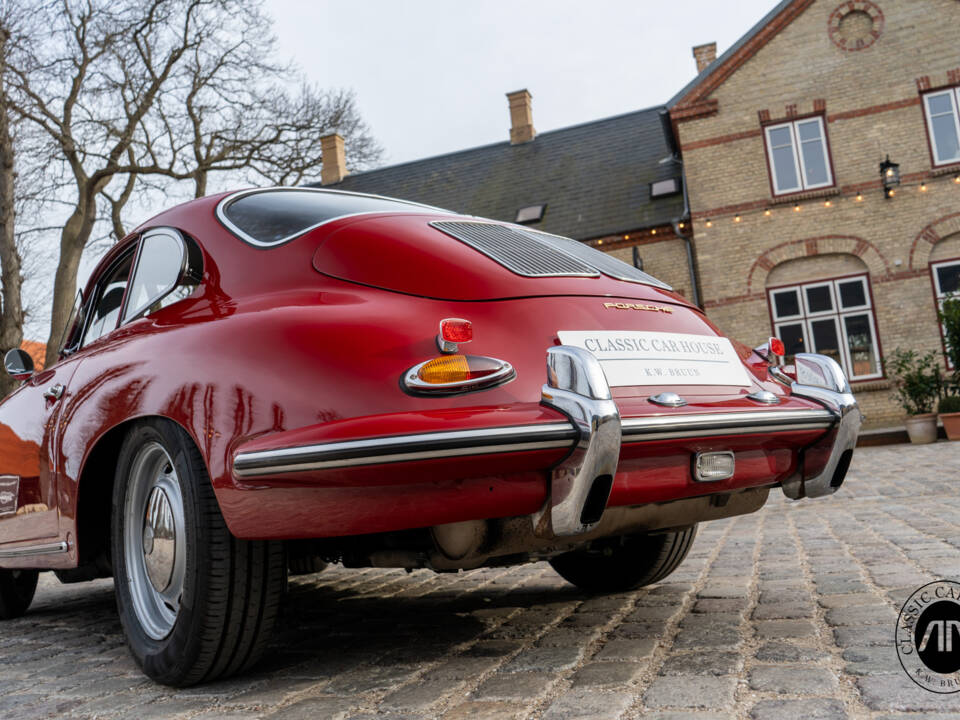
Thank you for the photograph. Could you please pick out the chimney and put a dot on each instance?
(333, 161)
(704, 54)
(521, 117)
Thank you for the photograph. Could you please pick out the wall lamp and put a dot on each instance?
(889, 176)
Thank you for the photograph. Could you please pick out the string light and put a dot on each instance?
(681, 226)
(767, 212)
(709, 223)
(827, 203)
(891, 192)
(626, 237)
(736, 218)
(599, 242)
(956, 179)
(796, 208)
(653, 232)
(923, 187)
(859, 197)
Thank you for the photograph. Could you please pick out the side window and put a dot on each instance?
(106, 307)
(160, 266)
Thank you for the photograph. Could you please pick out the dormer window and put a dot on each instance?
(798, 155)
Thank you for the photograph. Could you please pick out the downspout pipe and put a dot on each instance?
(687, 240)
(685, 214)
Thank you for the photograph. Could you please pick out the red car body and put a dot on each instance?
(302, 348)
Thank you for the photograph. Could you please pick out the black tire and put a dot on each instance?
(625, 563)
(229, 589)
(16, 592)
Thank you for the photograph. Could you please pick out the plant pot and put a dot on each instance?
(951, 423)
(922, 429)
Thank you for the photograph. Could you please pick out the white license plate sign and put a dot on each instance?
(636, 357)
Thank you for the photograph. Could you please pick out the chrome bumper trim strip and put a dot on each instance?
(405, 448)
(668, 427)
(29, 550)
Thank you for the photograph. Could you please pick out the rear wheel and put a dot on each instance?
(16, 592)
(196, 604)
(625, 563)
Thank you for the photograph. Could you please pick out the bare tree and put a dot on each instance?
(11, 317)
(126, 90)
(90, 86)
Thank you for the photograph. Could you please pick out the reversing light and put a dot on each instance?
(449, 374)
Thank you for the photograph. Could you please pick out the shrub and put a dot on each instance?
(917, 378)
(949, 404)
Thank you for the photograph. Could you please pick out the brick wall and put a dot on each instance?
(872, 106)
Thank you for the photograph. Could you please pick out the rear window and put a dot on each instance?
(272, 217)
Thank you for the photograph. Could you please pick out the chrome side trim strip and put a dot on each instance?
(405, 448)
(29, 550)
(666, 427)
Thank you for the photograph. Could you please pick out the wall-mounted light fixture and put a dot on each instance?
(889, 176)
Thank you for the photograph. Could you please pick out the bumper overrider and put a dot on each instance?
(580, 484)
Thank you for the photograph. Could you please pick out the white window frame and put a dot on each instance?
(837, 314)
(940, 295)
(954, 94)
(799, 164)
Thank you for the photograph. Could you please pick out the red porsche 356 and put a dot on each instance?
(272, 379)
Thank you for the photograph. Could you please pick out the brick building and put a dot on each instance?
(757, 190)
(782, 140)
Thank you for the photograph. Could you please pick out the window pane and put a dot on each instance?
(809, 130)
(939, 104)
(792, 336)
(815, 162)
(780, 137)
(784, 169)
(818, 299)
(948, 278)
(852, 294)
(158, 269)
(945, 136)
(786, 303)
(274, 216)
(863, 355)
(825, 340)
(107, 308)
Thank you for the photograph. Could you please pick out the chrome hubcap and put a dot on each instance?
(159, 540)
(153, 534)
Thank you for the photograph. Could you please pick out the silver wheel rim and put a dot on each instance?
(154, 540)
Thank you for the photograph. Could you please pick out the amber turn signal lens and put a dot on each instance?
(451, 374)
(457, 368)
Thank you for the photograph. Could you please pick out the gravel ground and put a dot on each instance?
(787, 613)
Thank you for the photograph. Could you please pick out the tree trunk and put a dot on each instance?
(72, 241)
(11, 318)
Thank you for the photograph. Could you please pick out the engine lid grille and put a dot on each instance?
(532, 253)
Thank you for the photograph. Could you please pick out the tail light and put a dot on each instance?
(452, 374)
(453, 332)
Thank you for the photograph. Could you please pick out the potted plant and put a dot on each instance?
(949, 407)
(918, 381)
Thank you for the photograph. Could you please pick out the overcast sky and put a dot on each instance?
(430, 75)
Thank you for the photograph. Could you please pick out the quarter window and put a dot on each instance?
(946, 282)
(160, 264)
(798, 155)
(830, 317)
(943, 125)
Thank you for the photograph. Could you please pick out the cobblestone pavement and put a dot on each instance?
(787, 613)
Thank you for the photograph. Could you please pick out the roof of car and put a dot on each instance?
(594, 177)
